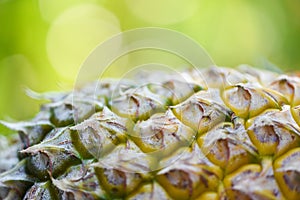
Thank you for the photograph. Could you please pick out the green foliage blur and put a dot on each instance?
(43, 42)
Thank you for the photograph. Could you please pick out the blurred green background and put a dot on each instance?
(43, 42)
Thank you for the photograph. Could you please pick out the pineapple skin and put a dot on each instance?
(215, 133)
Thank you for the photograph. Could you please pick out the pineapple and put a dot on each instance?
(217, 133)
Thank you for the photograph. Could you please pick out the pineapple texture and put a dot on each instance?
(215, 133)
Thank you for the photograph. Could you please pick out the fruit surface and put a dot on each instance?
(216, 133)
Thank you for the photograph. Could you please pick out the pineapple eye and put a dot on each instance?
(274, 131)
(150, 190)
(184, 184)
(250, 99)
(227, 146)
(137, 103)
(202, 111)
(289, 87)
(264, 138)
(287, 173)
(62, 115)
(262, 185)
(296, 114)
(162, 134)
(118, 183)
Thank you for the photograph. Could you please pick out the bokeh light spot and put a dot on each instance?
(163, 12)
(75, 33)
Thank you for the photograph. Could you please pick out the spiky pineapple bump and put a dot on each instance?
(216, 133)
